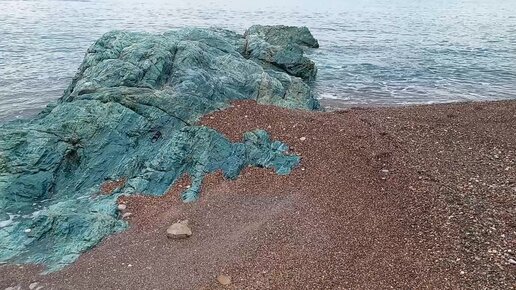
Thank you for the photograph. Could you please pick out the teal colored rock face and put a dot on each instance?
(130, 115)
(281, 48)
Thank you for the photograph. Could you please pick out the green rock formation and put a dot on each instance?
(129, 118)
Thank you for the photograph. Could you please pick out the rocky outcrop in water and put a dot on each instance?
(127, 124)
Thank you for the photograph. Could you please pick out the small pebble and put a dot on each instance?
(179, 230)
(512, 261)
(122, 207)
(27, 230)
(385, 171)
(302, 138)
(126, 215)
(224, 279)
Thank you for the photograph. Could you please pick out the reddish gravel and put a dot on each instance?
(411, 197)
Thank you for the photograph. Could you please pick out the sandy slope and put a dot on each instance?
(407, 197)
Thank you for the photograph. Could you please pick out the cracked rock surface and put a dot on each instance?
(127, 124)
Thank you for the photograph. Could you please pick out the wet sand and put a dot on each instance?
(401, 197)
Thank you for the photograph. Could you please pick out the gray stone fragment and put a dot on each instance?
(35, 286)
(179, 230)
(224, 279)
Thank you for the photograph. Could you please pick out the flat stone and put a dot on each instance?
(126, 215)
(122, 207)
(179, 230)
(224, 279)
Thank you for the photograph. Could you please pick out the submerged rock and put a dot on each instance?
(127, 124)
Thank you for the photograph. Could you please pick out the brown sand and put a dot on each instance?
(412, 197)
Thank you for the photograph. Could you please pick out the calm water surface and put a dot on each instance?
(372, 52)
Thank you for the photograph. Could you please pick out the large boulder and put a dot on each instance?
(281, 48)
(129, 118)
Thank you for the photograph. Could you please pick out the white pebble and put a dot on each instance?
(302, 138)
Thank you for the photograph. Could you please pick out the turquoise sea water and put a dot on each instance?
(373, 52)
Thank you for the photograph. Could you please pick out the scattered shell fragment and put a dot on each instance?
(35, 286)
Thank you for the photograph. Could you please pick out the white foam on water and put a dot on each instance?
(332, 97)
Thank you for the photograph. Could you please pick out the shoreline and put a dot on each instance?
(329, 105)
(409, 197)
(332, 105)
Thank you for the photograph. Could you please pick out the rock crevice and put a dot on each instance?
(130, 114)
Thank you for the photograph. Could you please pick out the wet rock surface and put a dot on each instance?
(281, 48)
(127, 124)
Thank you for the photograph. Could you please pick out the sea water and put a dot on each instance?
(373, 52)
